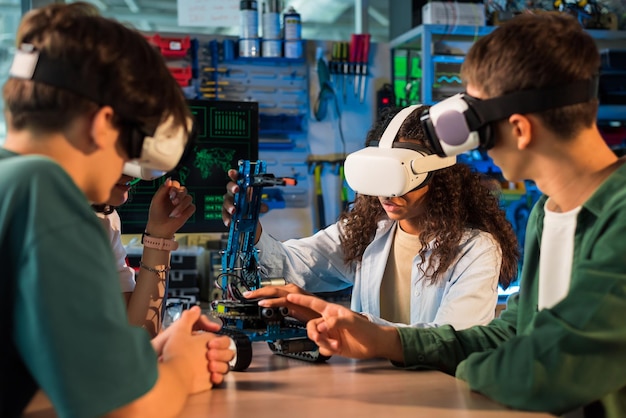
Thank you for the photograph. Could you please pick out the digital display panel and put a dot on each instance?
(226, 132)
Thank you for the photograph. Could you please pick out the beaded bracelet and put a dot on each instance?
(153, 270)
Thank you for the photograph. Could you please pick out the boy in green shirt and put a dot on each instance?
(560, 346)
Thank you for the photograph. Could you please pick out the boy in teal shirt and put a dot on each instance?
(85, 95)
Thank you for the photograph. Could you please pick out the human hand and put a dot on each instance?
(220, 354)
(219, 349)
(170, 208)
(200, 357)
(276, 296)
(228, 204)
(340, 331)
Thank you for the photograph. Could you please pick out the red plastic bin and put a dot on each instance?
(182, 75)
(171, 47)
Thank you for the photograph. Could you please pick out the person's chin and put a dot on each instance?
(395, 215)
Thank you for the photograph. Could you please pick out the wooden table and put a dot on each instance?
(276, 387)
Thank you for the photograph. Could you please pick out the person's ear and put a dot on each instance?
(522, 130)
(103, 131)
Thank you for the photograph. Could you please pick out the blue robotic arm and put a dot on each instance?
(243, 319)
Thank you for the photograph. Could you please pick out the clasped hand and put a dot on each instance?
(192, 340)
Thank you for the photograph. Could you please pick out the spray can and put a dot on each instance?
(292, 33)
(271, 20)
(292, 25)
(272, 45)
(248, 19)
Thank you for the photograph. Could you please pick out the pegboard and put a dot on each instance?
(279, 85)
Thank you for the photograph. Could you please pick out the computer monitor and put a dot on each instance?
(226, 132)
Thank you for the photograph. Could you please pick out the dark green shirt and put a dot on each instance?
(569, 356)
(62, 317)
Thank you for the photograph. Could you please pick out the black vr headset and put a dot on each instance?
(461, 123)
(152, 153)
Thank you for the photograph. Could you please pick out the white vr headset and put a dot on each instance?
(133, 169)
(461, 123)
(392, 168)
(159, 153)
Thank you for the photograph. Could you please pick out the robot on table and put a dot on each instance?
(243, 319)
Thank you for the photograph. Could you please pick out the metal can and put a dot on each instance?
(248, 19)
(293, 49)
(271, 25)
(249, 47)
(272, 48)
(292, 24)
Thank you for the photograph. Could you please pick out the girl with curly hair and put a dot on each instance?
(432, 256)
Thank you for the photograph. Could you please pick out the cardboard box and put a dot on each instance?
(453, 13)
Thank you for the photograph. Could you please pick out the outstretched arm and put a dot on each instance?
(343, 332)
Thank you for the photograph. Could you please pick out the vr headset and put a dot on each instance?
(152, 153)
(155, 158)
(461, 123)
(393, 168)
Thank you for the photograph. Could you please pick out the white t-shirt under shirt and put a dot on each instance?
(395, 290)
(557, 255)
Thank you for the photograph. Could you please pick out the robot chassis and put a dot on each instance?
(243, 319)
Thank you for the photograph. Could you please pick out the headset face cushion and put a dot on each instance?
(451, 128)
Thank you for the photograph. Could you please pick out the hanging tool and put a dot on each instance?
(213, 69)
(345, 68)
(317, 177)
(364, 59)
(354, 61)
(327, 93)
(344, 187)
(335, 66)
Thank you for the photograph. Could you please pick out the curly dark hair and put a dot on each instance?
(457, 199)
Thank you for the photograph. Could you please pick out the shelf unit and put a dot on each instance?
(430, 45)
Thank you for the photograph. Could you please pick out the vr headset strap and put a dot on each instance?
(31, 64)
(386, 141)
(531, 101)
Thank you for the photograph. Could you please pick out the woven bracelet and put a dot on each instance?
(153, 270)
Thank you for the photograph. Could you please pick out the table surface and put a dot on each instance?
(275, 386)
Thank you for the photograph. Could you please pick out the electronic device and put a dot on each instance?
(243, 319)
(392, 168)
(226, 132)
(462, 122)
(159, 150)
